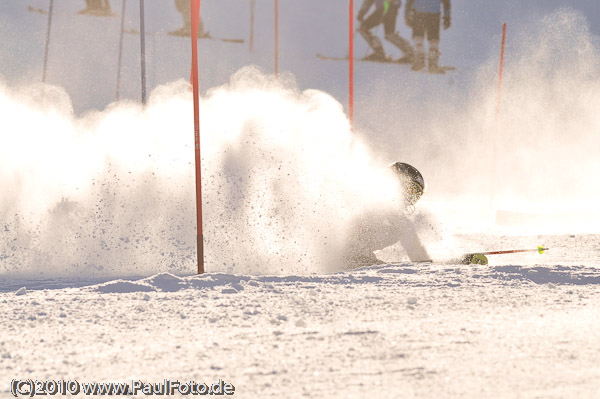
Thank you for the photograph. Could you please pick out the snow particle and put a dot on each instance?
(21, 291)
(412, 300)
(300, 323)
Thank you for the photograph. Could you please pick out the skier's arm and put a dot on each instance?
(364, 9)
(447, 18)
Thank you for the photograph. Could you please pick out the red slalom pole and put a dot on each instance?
(351, 66)
(195, 6)
(494, 150)
(501, 67)
(276, 37)
(45, 68)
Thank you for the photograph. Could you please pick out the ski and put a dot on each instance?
(480, 258)
(209, 37)
(93, 12)
(205, 37)
(38, 10)
(201, 37)
(387, 60)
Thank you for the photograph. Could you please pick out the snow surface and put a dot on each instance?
(402, 330)
(97, 233)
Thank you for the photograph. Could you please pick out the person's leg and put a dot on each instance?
(389, 27)
(373, 41)
(106, 7)
(183, 6)
(99, 8)
(419, 40)
(375, 231)
(433, 36)
(201, 31)
(407, 235)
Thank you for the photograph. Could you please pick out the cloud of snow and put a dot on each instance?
(548, 138)
(538, 165)
(113, 192)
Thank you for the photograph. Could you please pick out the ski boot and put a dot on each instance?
(377, 56)
(434, 57)
(183, 31)
(97, 8)
(406, 59)
(418, 62)
(187, 31)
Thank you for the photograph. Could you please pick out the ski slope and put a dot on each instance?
(524, 327)
(97, 234)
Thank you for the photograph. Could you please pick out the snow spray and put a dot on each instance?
(548, 145)
(112, 192)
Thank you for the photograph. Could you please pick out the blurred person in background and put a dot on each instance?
(98, 8)
(183, 6)
(423, 16)
(385, 12)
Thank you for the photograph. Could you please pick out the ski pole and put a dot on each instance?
(539, 249)
(120, 50)
(143, 51)
(252, 7)
(44, 71)
(351, 65)
(276, 38)
(480, 258)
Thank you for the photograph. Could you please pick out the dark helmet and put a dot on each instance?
(412, 180)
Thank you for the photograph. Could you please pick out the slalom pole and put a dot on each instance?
(252, 8)
(143, 50)
(351, 66)
(497, 122)
(195, 7)
(45, 67)
(500, 75)
(120, 50)
(276, 37)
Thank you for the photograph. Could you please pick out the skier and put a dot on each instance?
(385, 13)
(183, 6)
(423, 16)
(377, 229)
(99, 8)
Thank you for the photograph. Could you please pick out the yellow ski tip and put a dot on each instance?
(541, 249)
